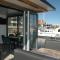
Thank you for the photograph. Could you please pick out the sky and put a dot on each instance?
(52, 17)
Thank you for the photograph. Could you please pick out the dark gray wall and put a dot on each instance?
(2, 32)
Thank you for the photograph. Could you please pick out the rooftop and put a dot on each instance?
(34, 5)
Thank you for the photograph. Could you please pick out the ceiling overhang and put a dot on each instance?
(34, 5)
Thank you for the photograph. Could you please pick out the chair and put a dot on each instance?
(11, 35)
(6, 43)
(21, 42)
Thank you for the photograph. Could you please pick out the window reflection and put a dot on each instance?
(33, 29)
(15, 25)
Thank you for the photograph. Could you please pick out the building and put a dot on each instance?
(41, 22)
(20, 16)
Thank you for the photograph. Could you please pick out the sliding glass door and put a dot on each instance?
(33, 29)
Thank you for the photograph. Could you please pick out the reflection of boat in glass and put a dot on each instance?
(49, 32)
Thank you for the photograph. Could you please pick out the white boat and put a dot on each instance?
(49, 32)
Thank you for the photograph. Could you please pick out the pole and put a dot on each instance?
(28, 30)
(24, 30)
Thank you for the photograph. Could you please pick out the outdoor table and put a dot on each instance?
(14, 42)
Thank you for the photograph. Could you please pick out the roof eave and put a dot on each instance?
(46, 2)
